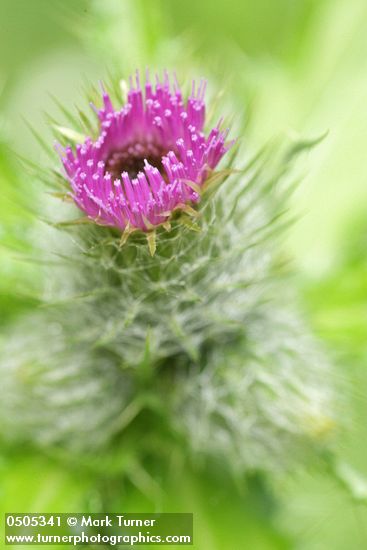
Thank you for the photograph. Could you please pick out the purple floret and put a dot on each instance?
(150, 159)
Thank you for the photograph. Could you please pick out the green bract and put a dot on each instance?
(196, 349)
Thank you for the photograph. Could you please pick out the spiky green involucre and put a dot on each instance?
(196, 347)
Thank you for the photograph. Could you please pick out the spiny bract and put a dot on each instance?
(183, 344)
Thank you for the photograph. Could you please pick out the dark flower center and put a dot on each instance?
(131, 159)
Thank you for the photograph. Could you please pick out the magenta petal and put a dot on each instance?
(135, 173)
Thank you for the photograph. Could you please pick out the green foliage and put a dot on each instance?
(305, 64)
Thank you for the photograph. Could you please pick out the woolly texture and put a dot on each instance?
(190, 345)
(150, 159)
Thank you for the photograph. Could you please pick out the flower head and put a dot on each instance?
(151, 156)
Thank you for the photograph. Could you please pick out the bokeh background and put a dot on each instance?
(294, 67)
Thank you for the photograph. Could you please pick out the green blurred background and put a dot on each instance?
(299, 67)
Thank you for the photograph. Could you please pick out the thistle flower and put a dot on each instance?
(150, 159)
(193, 345)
